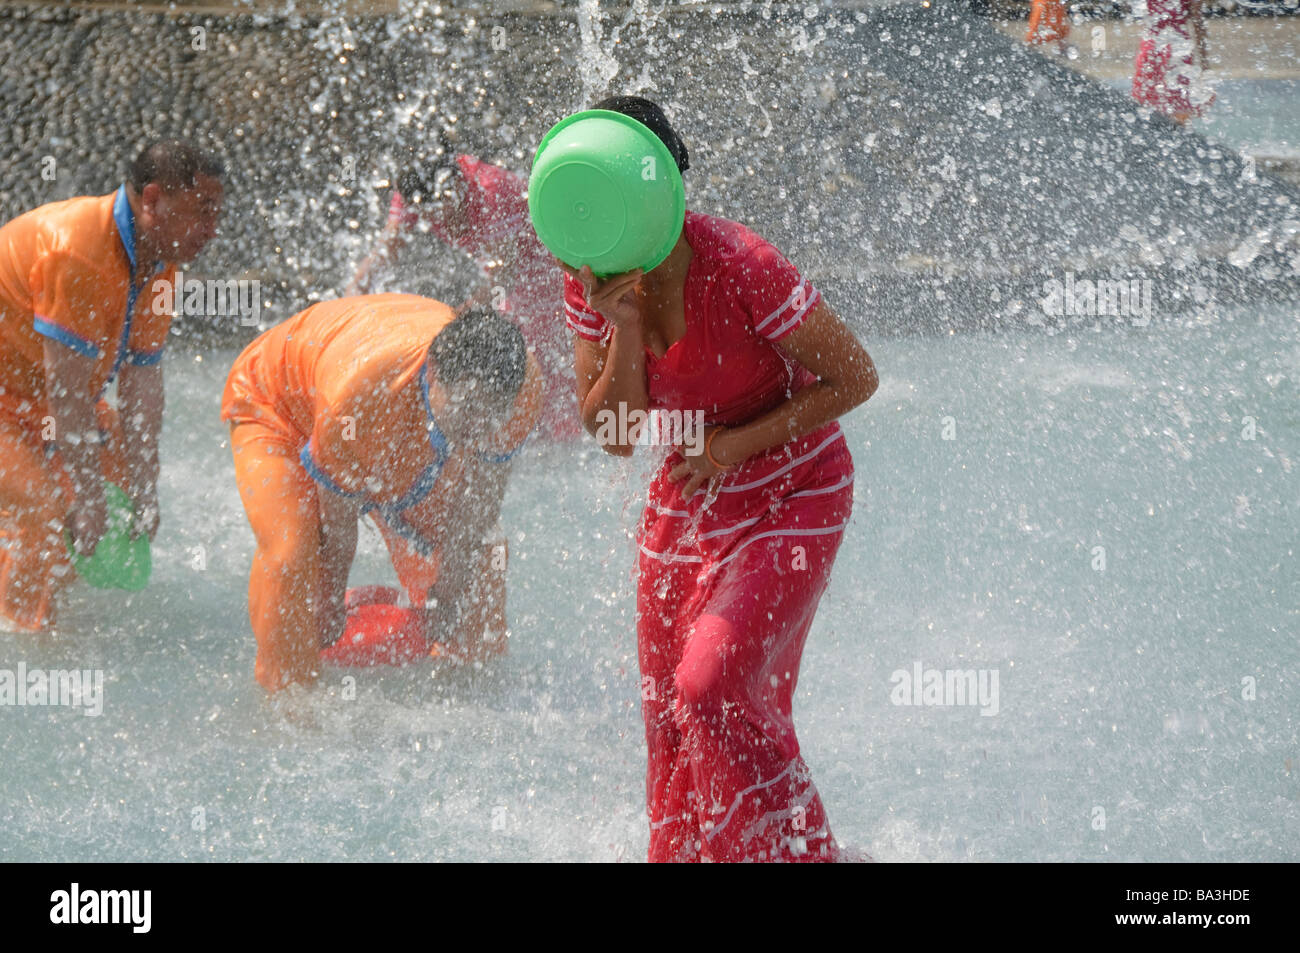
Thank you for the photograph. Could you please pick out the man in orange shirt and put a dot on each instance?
(76, 314)
(389, 406)
(1049, 22)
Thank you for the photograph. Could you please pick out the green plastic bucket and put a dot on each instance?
(605, 192)
(119, 562)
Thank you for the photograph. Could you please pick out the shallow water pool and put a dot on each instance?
(1146, 709)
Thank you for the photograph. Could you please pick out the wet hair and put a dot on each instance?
(483, 346)
(426, 169)
(651, 115)
(172, 164)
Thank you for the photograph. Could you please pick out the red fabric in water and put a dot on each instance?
(726, 595)
(378, 631)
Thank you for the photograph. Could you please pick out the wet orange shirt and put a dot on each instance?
(66, 275)
(342, 381)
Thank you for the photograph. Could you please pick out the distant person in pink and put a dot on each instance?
(482, 210)
(1171, 62)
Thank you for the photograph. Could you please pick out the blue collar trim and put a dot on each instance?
(426, 480)
(125, 221)
(125, 225)
(437, 439)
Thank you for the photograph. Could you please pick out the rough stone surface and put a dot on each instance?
(923, 168)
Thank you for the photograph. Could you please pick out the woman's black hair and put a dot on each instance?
(481, 345)
(651, 115)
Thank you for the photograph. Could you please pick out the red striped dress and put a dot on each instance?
(729, 581)
(1166, 75)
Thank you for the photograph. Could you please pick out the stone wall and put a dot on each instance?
(923, 165)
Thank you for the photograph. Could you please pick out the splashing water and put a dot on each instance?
(597, 67)
(927, 174)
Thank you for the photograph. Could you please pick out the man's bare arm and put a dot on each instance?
(76, 433)
(460, 590)
(140, 395)
(338, 521)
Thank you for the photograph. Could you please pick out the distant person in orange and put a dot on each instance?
(392, 406)
(76, 315)
(1049, 23)
(1167, 75)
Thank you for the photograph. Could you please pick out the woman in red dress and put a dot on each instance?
(1166, 75)
(741, 527)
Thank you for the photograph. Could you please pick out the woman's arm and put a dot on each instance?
(611, 373)
(611, 384)
(846, 378)
(389, 242)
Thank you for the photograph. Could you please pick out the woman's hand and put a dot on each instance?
(614, 297)
(696, 468)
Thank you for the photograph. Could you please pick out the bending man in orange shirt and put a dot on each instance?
(76, 314)
(388, 406)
